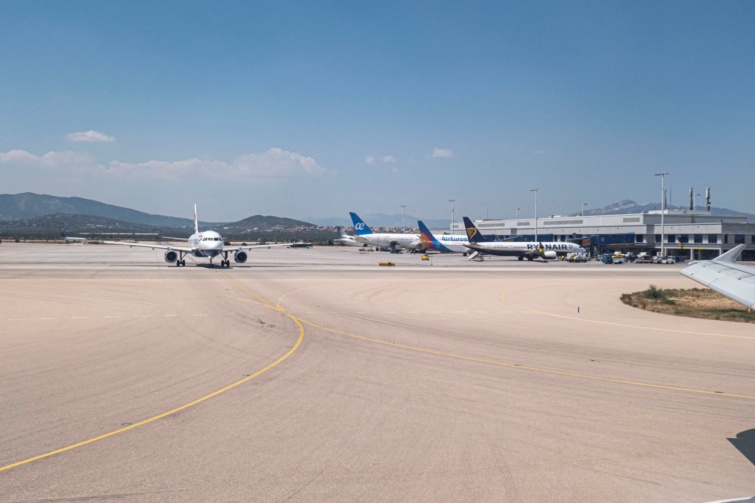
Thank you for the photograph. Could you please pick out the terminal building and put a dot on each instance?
(688, 234)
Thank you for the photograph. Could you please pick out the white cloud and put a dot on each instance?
(90, 136)
(389, 159)
(61, 160)
(442, 152)
(273, 164)
(276, 163)
(369, 159)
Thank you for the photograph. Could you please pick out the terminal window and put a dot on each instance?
(739, 239)
(657, 238)
(698, 238)
(712, 239)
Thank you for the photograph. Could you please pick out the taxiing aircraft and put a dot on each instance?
(207, 244)
(725, 276)
(445, 243)
(383, 239)
(521, 249)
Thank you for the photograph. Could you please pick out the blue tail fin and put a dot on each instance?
(359, 226)
(426, 237)
(473, 234)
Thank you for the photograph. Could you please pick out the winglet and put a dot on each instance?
(196, 222)
(473, 234)
(359, 226)
(731, 255)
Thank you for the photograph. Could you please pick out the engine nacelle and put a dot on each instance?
(171, 256)
(239, 257)
(550, 254)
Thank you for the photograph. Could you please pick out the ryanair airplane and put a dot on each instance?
(520, 249)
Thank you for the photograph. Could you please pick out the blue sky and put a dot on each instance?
(315, 109)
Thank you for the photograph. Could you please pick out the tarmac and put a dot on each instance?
(317, 375)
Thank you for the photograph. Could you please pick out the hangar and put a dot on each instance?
(688, 234)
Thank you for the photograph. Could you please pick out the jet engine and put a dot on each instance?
(171, 256)
(239, 257)
(550, 254)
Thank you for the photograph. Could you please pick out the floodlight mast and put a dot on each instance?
(663, 211)
(535, 191)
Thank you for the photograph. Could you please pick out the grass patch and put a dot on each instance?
(694, 303)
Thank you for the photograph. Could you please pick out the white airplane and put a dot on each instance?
(520, 249)
(444, 243)
(346, 239)
(725, 276)
(207, 244)
(383, 239)
(68, 239)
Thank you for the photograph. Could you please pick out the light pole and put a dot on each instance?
(583, 208)
(663, 211)
(517, 214)
(535, 191)
(403, 218)
(452, 201)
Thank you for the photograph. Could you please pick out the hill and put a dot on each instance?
(28, 206)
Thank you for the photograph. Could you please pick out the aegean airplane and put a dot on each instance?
(520, 249)
(207, 244)
(382, 239)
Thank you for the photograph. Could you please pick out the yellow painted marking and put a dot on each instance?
(182, 407)
(525, 367)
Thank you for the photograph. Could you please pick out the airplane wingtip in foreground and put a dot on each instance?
(725, 276)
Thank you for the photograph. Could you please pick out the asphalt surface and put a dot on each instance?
(317, 375)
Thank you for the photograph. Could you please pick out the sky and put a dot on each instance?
(314, 109)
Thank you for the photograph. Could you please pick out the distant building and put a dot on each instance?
(695, 235)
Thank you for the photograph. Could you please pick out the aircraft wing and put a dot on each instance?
(153, 246)
(250, 247)
(725, 276)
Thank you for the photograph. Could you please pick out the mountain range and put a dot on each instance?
(46, 211)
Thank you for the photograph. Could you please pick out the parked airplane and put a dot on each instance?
(725, 276)
(445, 243)
(382, 239)
(207, 244)
(346, 239)
(69, 239)
(520, 249)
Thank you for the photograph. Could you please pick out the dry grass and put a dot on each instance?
(694, 303)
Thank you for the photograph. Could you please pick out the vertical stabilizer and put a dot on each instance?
(196, 222)
(473, 234)
(360, 227)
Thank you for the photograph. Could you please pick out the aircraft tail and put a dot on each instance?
(473, 234)
(425, 236)
(359, 226)
(196, 222)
